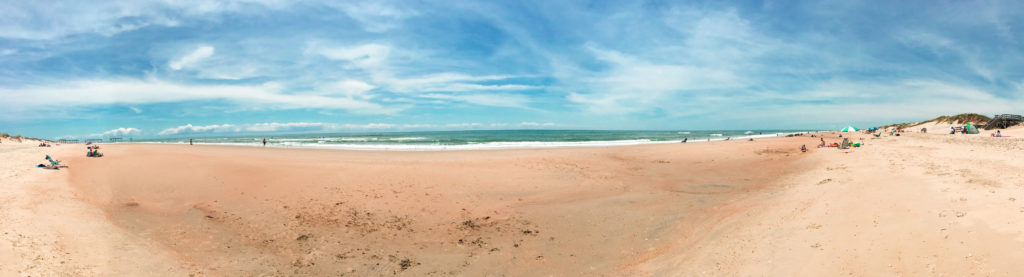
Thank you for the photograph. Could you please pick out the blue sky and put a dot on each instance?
(185, 68)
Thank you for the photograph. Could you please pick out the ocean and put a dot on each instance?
(470, 140)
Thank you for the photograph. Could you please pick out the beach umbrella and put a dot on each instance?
(850, 129)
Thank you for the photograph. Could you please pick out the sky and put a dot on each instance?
(70, 69)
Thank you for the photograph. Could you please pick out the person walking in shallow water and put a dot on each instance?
(264, 142)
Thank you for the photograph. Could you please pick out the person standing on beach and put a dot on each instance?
(264, 142)
(189, 141)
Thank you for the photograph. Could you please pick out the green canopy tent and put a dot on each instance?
(850, 129)
(971, 129)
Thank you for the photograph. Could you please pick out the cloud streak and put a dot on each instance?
(119, 132)
(87, 93)
(192, 58)
(299, 127)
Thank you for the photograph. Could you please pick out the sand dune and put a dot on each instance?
(918, 204)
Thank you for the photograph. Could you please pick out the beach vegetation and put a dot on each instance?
(963, 118)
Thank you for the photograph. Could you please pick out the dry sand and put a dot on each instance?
(918, 204)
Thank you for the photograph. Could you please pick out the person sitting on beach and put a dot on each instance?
(93, 152)
(803, 148)
(822, 143)
(54, 164)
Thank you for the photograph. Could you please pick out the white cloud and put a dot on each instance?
(448, 81)
(375, 16)
(259, 127)
(843, 101)
(478, 87)
(55, 19)
(275, 127)
(190, 129)
(121, 132)
(348, 88)
(192, 58)
(6, 52)
(376, 60)
(536, 124)
(463, 125)
(632, 85)
(494, 100)
(86, 93)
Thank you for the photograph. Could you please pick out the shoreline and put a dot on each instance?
(476, 146)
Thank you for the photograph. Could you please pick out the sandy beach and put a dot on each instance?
(917, 204)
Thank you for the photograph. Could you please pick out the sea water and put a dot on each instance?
(476, 139)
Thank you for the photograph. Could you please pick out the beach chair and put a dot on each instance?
(845, 144)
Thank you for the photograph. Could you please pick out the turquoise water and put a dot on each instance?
(459, 140)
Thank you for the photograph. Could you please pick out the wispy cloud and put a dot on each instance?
(86, 93)
(192, 58)
(375, 16)
(27, 20)
(122, 132)
(630, 84)
(535, 124)
(348, 88)
(366, 56)
(275, 127)
(490, 99)
(232, 128)
(449, 82)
